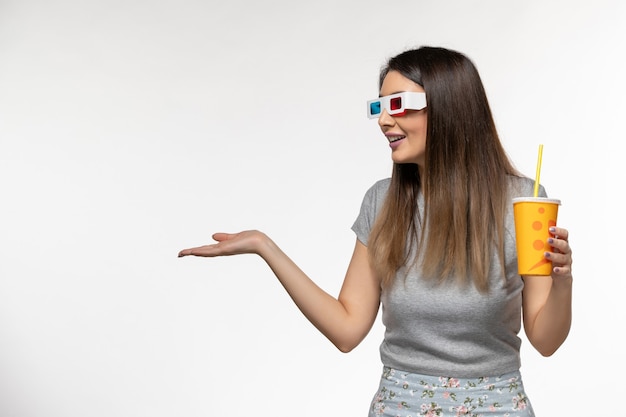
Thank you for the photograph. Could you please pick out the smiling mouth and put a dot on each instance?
(393, 139)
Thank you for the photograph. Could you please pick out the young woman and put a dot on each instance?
(435, 245)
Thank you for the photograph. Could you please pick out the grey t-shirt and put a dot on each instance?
(449, 329)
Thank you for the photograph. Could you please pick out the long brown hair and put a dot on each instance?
(464, 180)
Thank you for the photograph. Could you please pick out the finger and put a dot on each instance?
(561, 262)
(559, 258)
(562, 270)
(559, 245)
(197, 251)
(560, 233)
(220, 236)
(205, 250)
(185, 252)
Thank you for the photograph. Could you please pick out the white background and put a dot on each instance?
(132, 129)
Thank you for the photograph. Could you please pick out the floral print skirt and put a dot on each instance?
(403, 394)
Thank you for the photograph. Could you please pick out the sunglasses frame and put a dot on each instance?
(409, 100)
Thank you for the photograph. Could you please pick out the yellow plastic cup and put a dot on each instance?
(533, 218)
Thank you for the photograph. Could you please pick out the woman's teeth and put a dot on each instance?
(394, 138)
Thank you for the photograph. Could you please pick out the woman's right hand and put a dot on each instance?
(249, 241)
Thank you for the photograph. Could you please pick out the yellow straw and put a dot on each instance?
(536, 192)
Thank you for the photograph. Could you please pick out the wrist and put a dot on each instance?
(264, 245)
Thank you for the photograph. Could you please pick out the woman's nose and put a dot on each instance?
(385, 119)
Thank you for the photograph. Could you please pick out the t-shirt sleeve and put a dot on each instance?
(372, 202)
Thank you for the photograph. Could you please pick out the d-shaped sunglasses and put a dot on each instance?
(396, 104)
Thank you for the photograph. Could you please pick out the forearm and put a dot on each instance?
(552, 324)
(325, 312)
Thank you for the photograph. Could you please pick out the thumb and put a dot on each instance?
(221, 236)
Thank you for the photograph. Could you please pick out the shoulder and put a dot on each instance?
(375, 195)
(380, 185)
(524, 187)
(378, 191)
(372, 202)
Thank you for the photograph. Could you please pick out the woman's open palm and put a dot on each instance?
(248, 241)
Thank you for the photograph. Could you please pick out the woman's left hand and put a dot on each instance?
(561, 255)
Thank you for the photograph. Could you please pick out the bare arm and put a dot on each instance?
(547, 300)
(345, 320)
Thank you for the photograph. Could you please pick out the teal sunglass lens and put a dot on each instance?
(375, 107)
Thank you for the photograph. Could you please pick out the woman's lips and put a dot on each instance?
(394, 140)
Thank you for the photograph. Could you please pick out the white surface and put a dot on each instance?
(122, 141)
